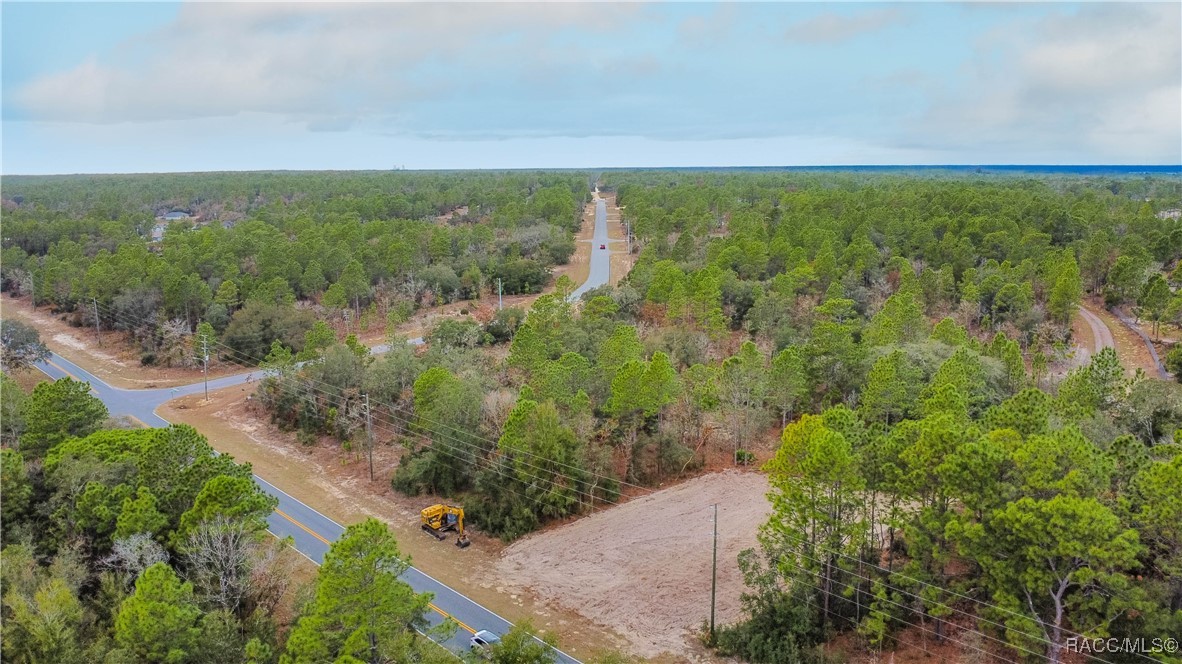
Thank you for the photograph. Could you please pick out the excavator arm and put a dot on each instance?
(438, 519)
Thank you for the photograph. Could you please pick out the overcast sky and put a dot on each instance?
(125, 87)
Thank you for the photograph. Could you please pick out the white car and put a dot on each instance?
(484, 639)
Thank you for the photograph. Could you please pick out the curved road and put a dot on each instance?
(310, 530)
(1100, 332)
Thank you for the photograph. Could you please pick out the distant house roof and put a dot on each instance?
(176, 214)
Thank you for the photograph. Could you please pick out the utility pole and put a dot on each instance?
(205, 361)
(97, 336)
(714, 573)
(500, 298)
(369, 435)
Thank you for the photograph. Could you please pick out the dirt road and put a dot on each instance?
(1101, 335)
(1130, 347)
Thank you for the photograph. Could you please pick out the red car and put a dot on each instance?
(603, 246)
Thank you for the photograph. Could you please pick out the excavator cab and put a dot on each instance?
(438, 519)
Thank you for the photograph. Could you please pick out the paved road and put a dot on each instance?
(600, 258)
(310, 530)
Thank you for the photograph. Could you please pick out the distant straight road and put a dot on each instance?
(310, 530)
(600, 258)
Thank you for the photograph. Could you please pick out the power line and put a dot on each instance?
(457, 446)
(451, 450)
(889, 601)
(830, 593)
(332, 389)
(900, 575)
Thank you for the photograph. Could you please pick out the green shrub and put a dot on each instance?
(1174, 363)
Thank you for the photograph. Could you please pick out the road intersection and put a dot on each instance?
(310, 531)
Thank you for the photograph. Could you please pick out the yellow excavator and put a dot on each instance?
(438, 519)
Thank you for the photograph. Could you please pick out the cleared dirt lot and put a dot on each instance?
(642, 569)
(336, 483)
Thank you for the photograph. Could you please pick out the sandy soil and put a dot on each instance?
(483, 310)
(1090, 335)
(643, 568)
(1093, 334)
(1129, 347)
(621, 261)
(28, 379)
(116, 362)
(336, 483)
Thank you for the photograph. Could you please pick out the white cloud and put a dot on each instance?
(305, 61)
(1103, 81)
(832, 27)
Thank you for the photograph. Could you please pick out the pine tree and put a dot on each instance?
(788, 382)
(816, 485)
(227, 295)
(1067, 292)
(14, 486)
(57, 411)
(158, 623)
(892, 389)
(950, 332)
(1154, 300)
(231, 497)
(139, 515)
(1071, 553)
(362, 610)
(901, 320)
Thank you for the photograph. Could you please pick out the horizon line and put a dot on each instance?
(1153, 168)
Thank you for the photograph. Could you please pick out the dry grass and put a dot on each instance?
(336, 483)
(1129, 347)
(116, 362)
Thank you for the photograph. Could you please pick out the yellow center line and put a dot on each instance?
(280, 512)
(306, 529)
(445, 614)
(71, 375)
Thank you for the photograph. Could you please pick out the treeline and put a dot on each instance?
(344, 245)
(145, 546)
(990, 253)
(233, 195)
(761, 305)
(910, 337)
(130, 545)
(934, 513)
